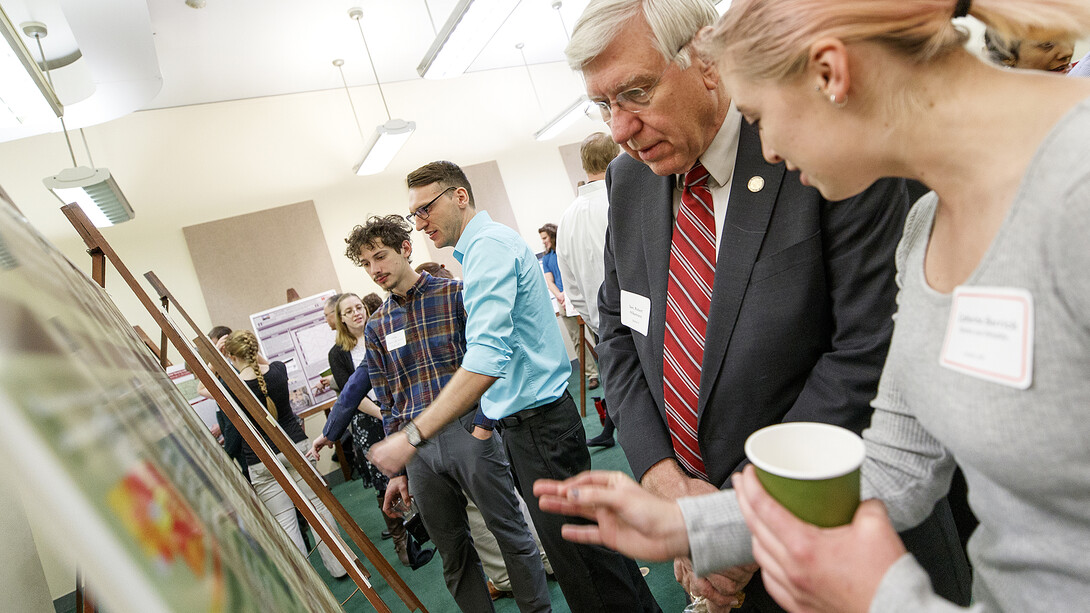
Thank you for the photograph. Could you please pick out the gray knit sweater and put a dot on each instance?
(1025, 453)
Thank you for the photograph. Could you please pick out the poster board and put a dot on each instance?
(130, 480)
(297, 335)
(187, 385)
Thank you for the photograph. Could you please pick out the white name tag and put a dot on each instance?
(990, 335)
(395, 340)
(635, 311)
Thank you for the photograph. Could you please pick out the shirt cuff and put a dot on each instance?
(485, 360)
(481, 421)
(718, 535)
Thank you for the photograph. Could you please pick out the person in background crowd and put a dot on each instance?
(518, 370)
(372, 301)
(555, 282)
(850, 92)
(735, 295)
(1053, 55)
(435, 269)
(581, 241)
(225, 431)
(269, 383)
(329, 311)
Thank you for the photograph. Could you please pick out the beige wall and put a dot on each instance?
(191, 165)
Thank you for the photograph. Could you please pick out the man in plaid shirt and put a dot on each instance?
(415, 343)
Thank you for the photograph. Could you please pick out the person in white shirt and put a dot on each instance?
(581, 241)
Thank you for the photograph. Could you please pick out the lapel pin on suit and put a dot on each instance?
(756, 184)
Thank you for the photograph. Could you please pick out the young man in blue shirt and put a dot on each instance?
(516, 366)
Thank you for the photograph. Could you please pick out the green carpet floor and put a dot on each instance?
(427, 582)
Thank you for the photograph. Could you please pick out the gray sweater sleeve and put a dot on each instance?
(905, 588)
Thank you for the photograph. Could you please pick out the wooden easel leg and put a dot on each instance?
(98, 266)
(84, 604)
(582, 369)
(163, 361)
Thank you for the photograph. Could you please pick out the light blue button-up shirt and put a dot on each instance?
(511, 330)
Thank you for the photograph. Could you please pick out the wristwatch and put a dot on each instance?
(413, 434)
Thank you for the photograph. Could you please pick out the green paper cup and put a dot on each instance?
(326, 372)
(810, 468)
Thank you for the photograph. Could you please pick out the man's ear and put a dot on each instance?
(828, 69)
(708, 70)
(406, 248)
(462, 197)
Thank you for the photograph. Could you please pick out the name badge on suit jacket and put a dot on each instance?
(635, 311)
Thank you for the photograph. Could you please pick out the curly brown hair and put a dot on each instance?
(388, 230)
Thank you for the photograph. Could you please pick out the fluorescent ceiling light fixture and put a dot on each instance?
(580, 108)
(95, 191)
(388, 138)
(471, 26)
(25, 93)
(383, 145)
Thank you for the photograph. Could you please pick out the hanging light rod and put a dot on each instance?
(93, 189)
(470, 28)
(388, 138)
(25, 92)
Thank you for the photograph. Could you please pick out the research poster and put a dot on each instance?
(297, 335)
(111, 455)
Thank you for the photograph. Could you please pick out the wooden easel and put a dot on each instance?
(583, 348)
(100, 251)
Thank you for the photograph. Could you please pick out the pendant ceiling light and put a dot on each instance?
(388, 138)
(93, 189)
(575, 111)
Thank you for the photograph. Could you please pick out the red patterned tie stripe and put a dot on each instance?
(688, 299)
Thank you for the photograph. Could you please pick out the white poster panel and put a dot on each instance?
(297, 335)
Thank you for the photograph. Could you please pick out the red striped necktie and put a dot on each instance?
(688, 299)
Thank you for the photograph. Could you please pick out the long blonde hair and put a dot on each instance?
(770, 39)
(346, 339)
(242, 344)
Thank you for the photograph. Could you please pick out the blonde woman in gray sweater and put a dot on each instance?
(989, 361)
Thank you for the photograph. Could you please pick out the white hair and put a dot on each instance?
(673, 24)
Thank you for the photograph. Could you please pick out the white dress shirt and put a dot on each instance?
(580, 250)
(719, 161)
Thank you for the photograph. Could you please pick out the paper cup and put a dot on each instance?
(810, 468)
(326, 372)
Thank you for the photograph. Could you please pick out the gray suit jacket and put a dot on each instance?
(798, 330)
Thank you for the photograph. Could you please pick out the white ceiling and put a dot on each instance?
(235, 49)
(245, 48)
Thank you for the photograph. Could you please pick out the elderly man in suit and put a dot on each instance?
(735, 297)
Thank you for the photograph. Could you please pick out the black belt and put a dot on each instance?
(525, 414)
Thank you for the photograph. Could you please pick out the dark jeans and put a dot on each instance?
(549, 442)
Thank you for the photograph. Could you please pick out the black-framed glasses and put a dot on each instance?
(422, 212)
(632, 100)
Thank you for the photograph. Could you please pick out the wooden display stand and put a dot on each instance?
(101, 251)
